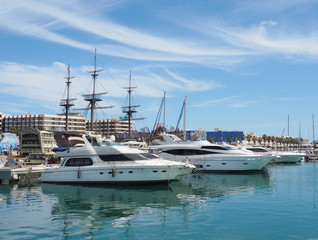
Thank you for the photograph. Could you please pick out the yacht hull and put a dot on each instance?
(225, 163)
(114, 175)
(289, 158)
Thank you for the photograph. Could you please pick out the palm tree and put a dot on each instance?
(248, 138)
(243, 137)
(230, 139)
(254, 139)
(264, 137)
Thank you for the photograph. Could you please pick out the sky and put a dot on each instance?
(245, 65)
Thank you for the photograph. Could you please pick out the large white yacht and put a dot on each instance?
(207, 156)
(280, 156)
(110, 162)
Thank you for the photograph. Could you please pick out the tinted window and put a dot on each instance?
(78, 162)
(187, 152)
(215, 147)
(256, 149)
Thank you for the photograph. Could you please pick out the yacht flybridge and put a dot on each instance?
(207, 156)
(107, 162)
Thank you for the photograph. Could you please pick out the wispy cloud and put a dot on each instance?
(51, 22)
(216, 101)
(231, 102)
(46, 83)
(286, 99)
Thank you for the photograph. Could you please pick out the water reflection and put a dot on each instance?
(107, 204)
(83, 211)
(221, 184)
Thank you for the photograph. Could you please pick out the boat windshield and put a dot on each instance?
(257, 149)
(128, 157)
(216, 147)
(101, 144)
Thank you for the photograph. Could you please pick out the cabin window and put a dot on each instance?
(187, 152)
(216, 147)
(78, 162)
(256, 150)
(199, 166)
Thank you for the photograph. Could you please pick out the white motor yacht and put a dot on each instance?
(280, 156)
(207, 156)
(110, 162)
(289, 157)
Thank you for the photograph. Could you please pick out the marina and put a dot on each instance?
(279, 203)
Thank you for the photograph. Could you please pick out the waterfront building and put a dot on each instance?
(108, 127)
(220, 136)
(47, 122)
(36, 141)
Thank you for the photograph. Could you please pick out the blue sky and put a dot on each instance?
(243, 65)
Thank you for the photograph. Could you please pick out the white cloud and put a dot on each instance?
(46, 84)
(52, 22)
(216, 101)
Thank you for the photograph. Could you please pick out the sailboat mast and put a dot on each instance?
(313, 127)
(288, 125)
(94, 75)
(94, 97)
(185, 119)
(67, 103)
(164, 111)
(130, 109)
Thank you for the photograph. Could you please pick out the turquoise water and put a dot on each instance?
(280, 203)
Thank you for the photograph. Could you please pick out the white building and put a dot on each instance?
(36, 141)
(109, 126)
(76, 123)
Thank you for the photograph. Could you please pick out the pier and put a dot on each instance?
(25, 175)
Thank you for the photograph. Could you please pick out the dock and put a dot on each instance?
(24, 175)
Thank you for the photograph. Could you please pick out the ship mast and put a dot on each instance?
(94, 97)
(68, 102)
(129, 110)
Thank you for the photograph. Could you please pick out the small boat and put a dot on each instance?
(280, 156)
(141, 145)
(208, 157)
(289, 157)
(107, 162)
(41, 158)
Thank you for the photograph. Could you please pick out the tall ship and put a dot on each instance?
(93, 98)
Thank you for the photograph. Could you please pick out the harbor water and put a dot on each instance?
(279, 203)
